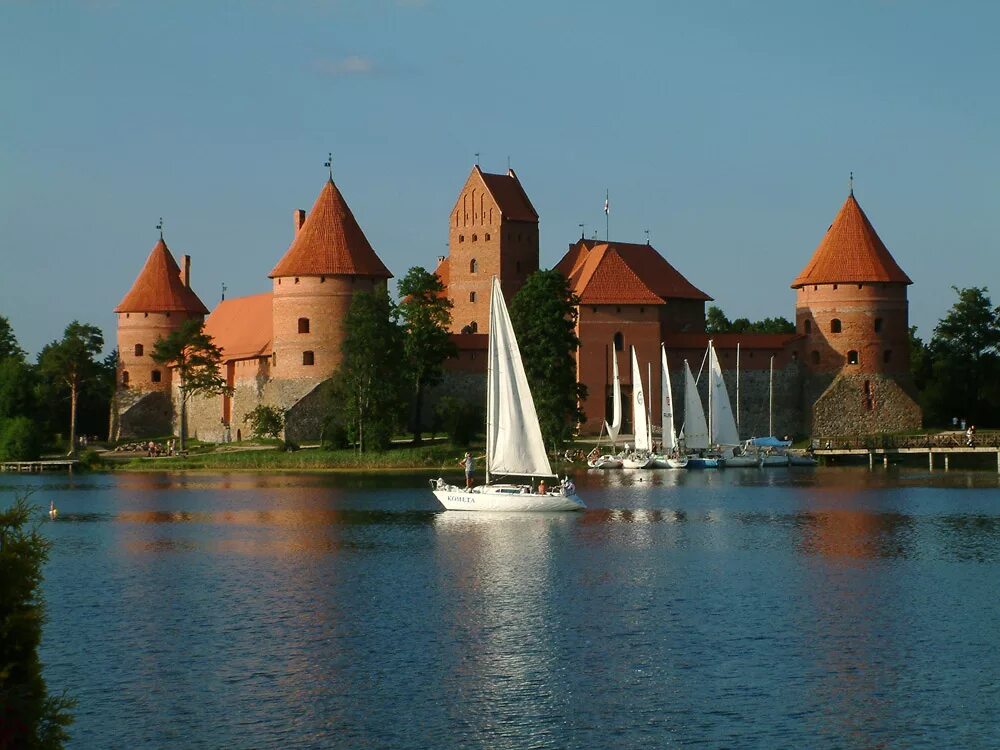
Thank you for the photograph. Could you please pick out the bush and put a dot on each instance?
(91, 460)
(462, 420)
(335, 436)
(288, 445)
(20, 440)
(265, 421)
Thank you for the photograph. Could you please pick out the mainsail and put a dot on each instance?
(616, 401)
(514, 444)
(666, 405)
(724, 431)
(640, 424)
(695, 428)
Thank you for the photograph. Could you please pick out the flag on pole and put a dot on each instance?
(607, 206)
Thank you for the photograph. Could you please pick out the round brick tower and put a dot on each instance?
(328, 261)
(851, 309)
(851, 302)
(160, 300)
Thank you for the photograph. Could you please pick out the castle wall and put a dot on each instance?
(324, 302)
(865, 404)
(135, 330)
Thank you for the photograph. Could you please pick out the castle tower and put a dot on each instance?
(852, 311)
(160, 300)
(493, 232)
(328, 261)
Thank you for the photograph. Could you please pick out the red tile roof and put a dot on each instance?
(443, 272)
(510, 196)
(242, 327)
(623, 273)
(851, 252)
(158, 287)
(330, 243)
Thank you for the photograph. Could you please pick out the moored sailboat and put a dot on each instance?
(641, 456)
(514, 445)
(671, 458)
(597, 459)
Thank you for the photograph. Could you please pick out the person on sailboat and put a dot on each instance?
(541, 487)
(470, 467)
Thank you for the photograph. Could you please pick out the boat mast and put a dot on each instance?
(649, 405)
(770, 400)
(489, 381)
(711, 384)
(737, 385)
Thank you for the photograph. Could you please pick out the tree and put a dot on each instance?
(20, 439)
(544, 316)
(425, 311)
(71, 362)
(370, 387)
(29, 716)
(17, 388)
(8, 342)
(965, 353)
(195, 360)
(265, 421)
(717, 322)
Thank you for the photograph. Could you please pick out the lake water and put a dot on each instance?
(830, 608)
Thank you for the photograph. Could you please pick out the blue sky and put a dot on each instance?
(727, 129)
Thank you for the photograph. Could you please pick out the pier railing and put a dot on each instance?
(990, 439)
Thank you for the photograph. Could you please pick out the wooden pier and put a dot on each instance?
(883, 447)
(34, 467)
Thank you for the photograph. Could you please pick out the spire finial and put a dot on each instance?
(582, 227)
(329, 164)
(508, 163)
(647, 235)
(852, 182)
(477, 158)
(223, 291)
(159, 225)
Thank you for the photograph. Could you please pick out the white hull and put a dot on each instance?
(507, 498)
(638, 462)
(743, 462)
(605, 462)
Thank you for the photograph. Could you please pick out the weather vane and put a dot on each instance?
(477, 158)
(582, 228)
(852, 183)
(647, 235)
(159, 226)
(329, 164)
(224, 291)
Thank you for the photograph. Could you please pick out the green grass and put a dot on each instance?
(312, 459)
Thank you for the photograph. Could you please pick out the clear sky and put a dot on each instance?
(727, 129)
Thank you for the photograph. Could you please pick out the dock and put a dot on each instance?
(939, 447)
(34, 467)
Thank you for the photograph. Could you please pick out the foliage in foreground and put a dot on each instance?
(30, 719)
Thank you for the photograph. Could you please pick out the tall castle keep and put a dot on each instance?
(844, 370)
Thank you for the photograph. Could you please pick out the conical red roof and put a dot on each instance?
(851, 252)
(330, 243)
(158, 287)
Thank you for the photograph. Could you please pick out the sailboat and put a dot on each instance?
(514, 445)
(641, 457)
(597, 460)
(671, 457)
(695, 427)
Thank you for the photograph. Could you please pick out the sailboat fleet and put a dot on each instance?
(704, 442)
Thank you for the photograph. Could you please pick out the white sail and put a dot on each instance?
(514, 444)
(695, 427)
(640, 425)
(616, 400)
(666, 405)
(723, 427)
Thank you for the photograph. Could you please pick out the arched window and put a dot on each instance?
(308, 358)
(125, 378)
(303, 325)
(814, 357)
(887, 356)
(138, 350)
(474, 327)
(475, 237)
(473, 266)
(809, 326)
(487, 237)
(619, 342)
(878, 325)
(472, 296)
(461, 238)
(155, 376)
(835, 325)
(852, 357)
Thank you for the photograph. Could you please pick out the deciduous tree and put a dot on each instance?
(371, 385)
(425, 312)
(544, 316)
(71, 361)
(195, 360)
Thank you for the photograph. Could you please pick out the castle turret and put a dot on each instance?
(160, 300)
(328, 261)
(851, 309)
(493, 232)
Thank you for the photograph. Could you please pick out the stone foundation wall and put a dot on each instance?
(141, 414)
(304, 419)
(866, 404)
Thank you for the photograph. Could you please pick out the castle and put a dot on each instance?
(845, 370)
